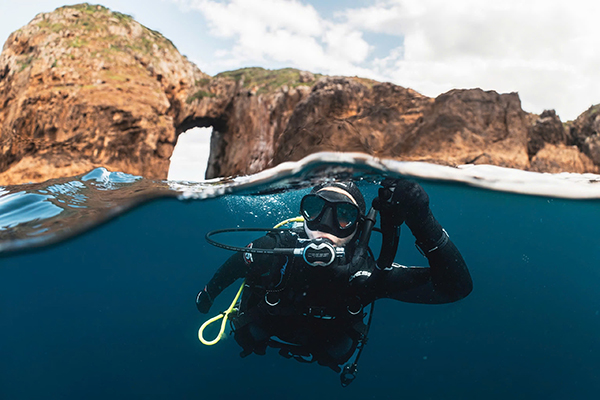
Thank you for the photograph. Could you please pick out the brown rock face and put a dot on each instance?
(561, 158)
(472, 126)
(245, 144)
(585, 133)
(84, 87)
(343, 114)
(547, 129)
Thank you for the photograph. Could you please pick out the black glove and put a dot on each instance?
(203, 301)
(402, 200)
(407, 201)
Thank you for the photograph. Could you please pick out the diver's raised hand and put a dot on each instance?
(203, 301)
(402, 200)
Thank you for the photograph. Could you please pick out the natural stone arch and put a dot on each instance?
(218, 126)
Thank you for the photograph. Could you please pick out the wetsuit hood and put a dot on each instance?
(350, 188)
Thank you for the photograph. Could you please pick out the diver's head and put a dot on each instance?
(333, 211)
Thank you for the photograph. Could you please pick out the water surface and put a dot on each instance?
(98, 276)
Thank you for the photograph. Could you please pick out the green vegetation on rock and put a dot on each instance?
(199, 95)
(594, 110)
(78, 42)
(92, 24)
(53, 27)
(268, 80)
(24, 63)
(87, 8)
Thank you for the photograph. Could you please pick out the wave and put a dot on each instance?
(35, 215)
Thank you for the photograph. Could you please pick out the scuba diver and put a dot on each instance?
(309, 301)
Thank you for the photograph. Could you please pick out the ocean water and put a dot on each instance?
(99, 273)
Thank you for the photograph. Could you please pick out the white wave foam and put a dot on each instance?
(562, 185)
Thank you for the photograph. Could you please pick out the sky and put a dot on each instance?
(190, 156)
(546, 50)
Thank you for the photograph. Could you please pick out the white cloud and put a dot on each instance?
(547, 50)
(285, 32)
(544, 49)
(259, 16)
(346, 44)
(384, 17)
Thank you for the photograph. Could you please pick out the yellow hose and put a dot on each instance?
(287, 221)
(225, 314)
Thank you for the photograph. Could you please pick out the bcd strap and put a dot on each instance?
(300, 354)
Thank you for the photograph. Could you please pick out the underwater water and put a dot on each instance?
(99, 273)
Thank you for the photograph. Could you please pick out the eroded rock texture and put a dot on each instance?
(83, 87)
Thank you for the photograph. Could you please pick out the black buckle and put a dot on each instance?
(318, 312)
(348, 374)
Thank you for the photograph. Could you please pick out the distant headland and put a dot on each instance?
(84, 87)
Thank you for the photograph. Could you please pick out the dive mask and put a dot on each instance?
(331, 212)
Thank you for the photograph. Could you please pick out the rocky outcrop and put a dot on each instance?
(458, 127)
(245, 144)
(344, 114)
(84, 87)
(585, 133)
(561, 158)
(547, 129)
(472, 126)
(552, 148)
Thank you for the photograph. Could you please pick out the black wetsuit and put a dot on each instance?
(318, 311)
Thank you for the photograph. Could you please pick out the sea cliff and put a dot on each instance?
(84, 87)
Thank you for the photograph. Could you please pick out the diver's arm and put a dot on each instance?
(234, 268)
(447, 279)
(449, 274)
